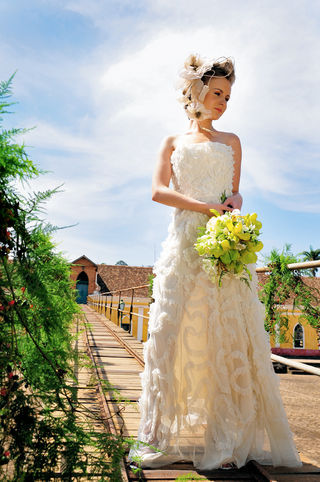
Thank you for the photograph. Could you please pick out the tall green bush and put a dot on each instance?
(282, 284)
(40, 432)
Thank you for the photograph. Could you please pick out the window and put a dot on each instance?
(83, 277)
(298, 341)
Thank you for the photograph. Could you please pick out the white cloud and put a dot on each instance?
(120, 101)
(49, 136)
(89, 200)
(72, 243)
(134, 100)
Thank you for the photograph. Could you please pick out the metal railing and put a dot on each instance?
(101, 305)
(301, 265)
(295, 364)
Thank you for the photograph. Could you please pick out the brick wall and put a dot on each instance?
(90, 268)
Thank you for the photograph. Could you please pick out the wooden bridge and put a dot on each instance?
(118, 358)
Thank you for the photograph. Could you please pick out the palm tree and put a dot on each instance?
(312, 255)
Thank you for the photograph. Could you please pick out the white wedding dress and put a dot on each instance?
(209, 391)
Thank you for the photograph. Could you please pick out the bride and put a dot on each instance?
(209, 391)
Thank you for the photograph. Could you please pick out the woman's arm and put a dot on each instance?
(163, 194)
(236, 199)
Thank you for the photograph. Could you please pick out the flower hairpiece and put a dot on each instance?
(195, 67)
(193, 88)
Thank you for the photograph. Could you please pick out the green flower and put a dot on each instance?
(228, 243)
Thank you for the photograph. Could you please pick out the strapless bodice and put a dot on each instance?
(203, 170)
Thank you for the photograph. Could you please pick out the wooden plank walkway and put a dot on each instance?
(119, 360)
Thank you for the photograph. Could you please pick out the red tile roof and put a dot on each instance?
(118, 277)
(76, 261)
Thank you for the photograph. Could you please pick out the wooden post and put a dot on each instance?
(118, 310)
(131, 310)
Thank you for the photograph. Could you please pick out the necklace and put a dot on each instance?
(208, 130)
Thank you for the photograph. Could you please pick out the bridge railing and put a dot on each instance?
(135, 319)
(125, 308)
(300, 265)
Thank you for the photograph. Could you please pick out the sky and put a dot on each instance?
(97, 81)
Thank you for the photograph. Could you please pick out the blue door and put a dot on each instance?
(82, 287)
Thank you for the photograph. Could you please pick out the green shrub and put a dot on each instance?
(282, 284)
(40, 432)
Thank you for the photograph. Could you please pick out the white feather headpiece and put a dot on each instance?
(193, 88)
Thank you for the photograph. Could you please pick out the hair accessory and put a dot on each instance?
(195, 67)
(193, 88)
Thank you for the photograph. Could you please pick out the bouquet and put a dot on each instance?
(228, 243)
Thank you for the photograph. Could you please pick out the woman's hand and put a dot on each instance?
(221, 208)
(163, 194)
(235, 201)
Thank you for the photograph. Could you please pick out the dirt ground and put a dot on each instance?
(301, 398)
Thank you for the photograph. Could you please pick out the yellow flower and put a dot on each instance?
(225, 244)
(244, 236)
(229, 225)
(230, 242)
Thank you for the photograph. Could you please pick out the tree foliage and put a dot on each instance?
(40, 431)
(283, 284)
(150, 284)
(311, 255)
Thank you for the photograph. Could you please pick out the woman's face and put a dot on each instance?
(217, 96)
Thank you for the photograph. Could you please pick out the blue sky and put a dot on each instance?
(97, 78)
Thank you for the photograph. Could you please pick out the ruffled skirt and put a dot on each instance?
(209, 391)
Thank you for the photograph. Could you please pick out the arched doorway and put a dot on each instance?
(298, 336)
(82, 287)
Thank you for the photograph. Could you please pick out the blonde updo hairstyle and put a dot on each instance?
(195, 77)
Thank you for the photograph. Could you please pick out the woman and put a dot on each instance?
(209, 392)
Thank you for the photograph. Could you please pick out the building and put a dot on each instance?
(84, 275)
(90, 278)
(302, 338)
(119, 277)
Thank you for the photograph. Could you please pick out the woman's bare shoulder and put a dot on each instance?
(169, 142)
(230, 138)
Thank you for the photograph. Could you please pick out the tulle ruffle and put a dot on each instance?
(209, 391)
